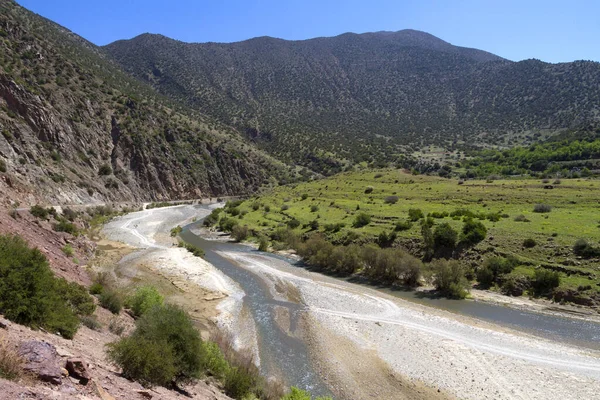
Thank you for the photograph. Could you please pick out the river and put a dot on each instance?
(288, 357)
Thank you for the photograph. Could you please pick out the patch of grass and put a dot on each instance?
(574, 212)
(11, 364)
(67, 249)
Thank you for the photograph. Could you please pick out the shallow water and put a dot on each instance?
(281, 355)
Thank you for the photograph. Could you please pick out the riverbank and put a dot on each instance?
(212, 299)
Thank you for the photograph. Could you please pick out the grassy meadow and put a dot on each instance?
(574, 214)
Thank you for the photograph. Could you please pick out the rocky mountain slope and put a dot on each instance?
(77, 129)
(365, 97)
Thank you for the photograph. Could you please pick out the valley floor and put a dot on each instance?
(367, 344)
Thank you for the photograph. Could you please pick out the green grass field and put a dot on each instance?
(575, 213)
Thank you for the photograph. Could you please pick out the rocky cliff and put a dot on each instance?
(76, 129)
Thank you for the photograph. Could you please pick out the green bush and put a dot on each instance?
(195, 250)
(529, 243)
(299, 394)
(39, 211)
(91, 322)
(105, 170)
(304, 196)
(96, 288)
(415, 214)
(3, 166)
(143, 299)
(213, 217)
(444, 236)
(213, 360)
(293, 223)
(111, 300)
(176, 231)
(449, 278)
(68, 250)
(227, 224)
(391, 199)
(314, 208)
(584, 249)
(473, 232)
(263, 243)
(165, 347)
(66, 226)
(31, 295)
(542, 208)
(240, 233)
(362, 219)
(544, 281)
(238, 382)
(403, 225)
(146, 361)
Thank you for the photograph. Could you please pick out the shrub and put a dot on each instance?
(293, 223)
(176, 231)
(227, 224)
(361, 220)
(391, 199)
(473, 232)
(449, 278)
(116, 327)
(91, 322)
(143, 299)
(304, 196)
(583, 249)
(544, 281)
(146, 361)
(65, 226)
(105, 170)
(314, 208)
(268, 208)
(285, 207)
(238, 382)
(263, 243)
(493, 268)
(213, 217)
(369, 190)
(164, 347)
(44, 302)
(195, 250)
(403, 225)
(444, 236)
(415, 214)
(39, 211)
(96, 288)
(111, 300)
(240, 233)
(542, 208)
(521, 218)
(515, 285)
(299, 394)
(68, 250)
(3, 166)
(529, 243)
(334, 227)
(11, 364)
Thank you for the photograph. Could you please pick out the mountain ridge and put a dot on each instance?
(327, 103)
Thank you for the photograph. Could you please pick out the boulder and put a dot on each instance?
(78, 369)
(42, 360)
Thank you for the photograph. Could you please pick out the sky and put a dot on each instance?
(550, 30)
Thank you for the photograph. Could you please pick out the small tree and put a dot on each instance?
(444, 236)
(239, 233)
(544, 281)
(473, 232)
(449, 278)
(144, 298)
(361, 220)
(415, 214)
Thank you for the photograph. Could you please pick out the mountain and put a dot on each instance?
(76, 128)
(371, 97)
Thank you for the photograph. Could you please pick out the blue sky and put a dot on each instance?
(550, 30)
